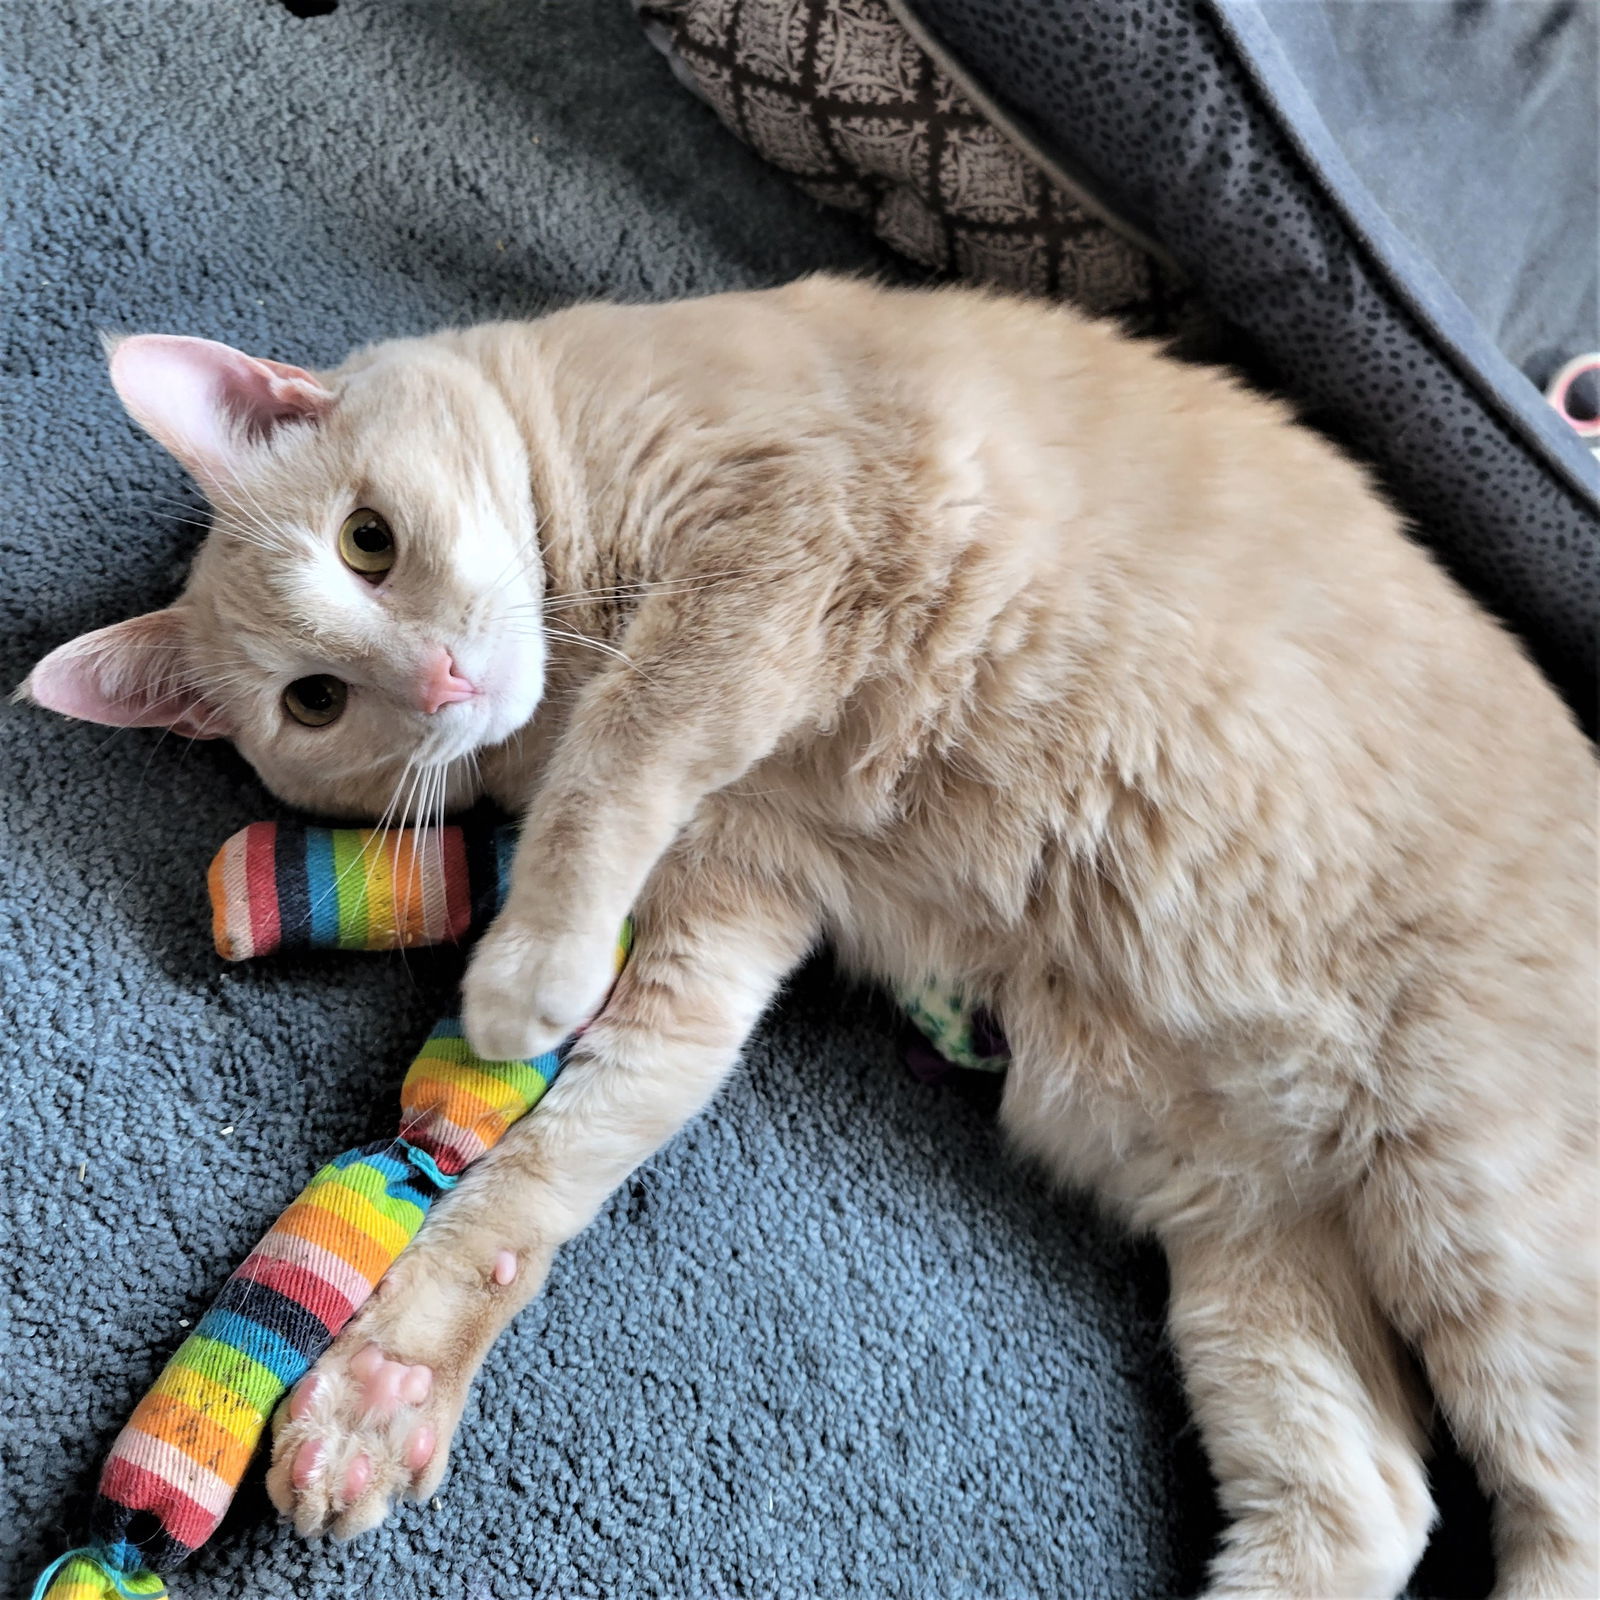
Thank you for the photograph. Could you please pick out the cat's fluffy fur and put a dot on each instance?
(985, 643)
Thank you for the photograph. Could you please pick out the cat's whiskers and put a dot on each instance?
(688, 583)
(233, 523)
(245, 507)
(374, 841)
(573, 637)
(436, 821)
(250, 529)
(431, 794)
(140, 692)
(249, 538)
(174, 674)
(185, 511)
(188, 522)
(237, 689)
(168, 678)
(519, 558)
(222, 703)
(122, 647)
(231, 668)
(416, 769)
(259, 515)
(154, 688)
(258, 527)
(384, 827)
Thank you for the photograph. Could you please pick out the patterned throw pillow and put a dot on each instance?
(837, 93)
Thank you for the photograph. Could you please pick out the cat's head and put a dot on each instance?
(364, 613)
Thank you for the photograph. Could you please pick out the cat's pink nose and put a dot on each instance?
(440, 684)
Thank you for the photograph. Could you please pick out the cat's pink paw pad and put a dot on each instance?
(354, 1435)
(357, 1478)
(304, 1397)
(505, 1268)
(386, 1384)
(367, 1362)
(419, 1448)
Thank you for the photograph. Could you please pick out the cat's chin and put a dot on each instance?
(370, 797)
(388, 789)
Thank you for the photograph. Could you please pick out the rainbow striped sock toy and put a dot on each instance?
(174, 1468)
(177, 1463)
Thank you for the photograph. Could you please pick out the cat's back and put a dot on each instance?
(1193, 572)
(1209, 630)
(1228, 553)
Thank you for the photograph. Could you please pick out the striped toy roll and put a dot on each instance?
(276, 887)
(279, 887)
(82, 1575)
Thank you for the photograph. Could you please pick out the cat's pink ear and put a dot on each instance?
(129, 675)
(207, 402)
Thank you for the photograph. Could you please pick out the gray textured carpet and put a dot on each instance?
(829, 1342)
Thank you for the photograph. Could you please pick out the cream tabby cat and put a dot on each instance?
(982, 643)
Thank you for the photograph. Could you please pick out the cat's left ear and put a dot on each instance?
(208, 403)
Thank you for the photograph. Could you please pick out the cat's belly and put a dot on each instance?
(1126, 1090)
(1172, 1133)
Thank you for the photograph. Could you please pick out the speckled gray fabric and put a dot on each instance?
(1474, 129)
(1154, 99)
(829, 1343)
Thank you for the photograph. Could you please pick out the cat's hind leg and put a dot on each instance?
(1482, 1249)
(1311, 1429)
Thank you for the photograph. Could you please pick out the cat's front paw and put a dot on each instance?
(368, 1425)
(355, 1435)
(525, 992)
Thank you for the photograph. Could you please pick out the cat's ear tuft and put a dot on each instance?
(209, 403)
(130, 675)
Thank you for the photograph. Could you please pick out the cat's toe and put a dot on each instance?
(357, 1433)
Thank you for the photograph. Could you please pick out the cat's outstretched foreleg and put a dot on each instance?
(373, 1420)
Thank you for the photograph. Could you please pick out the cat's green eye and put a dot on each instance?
(365, 544)
(315, 701)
